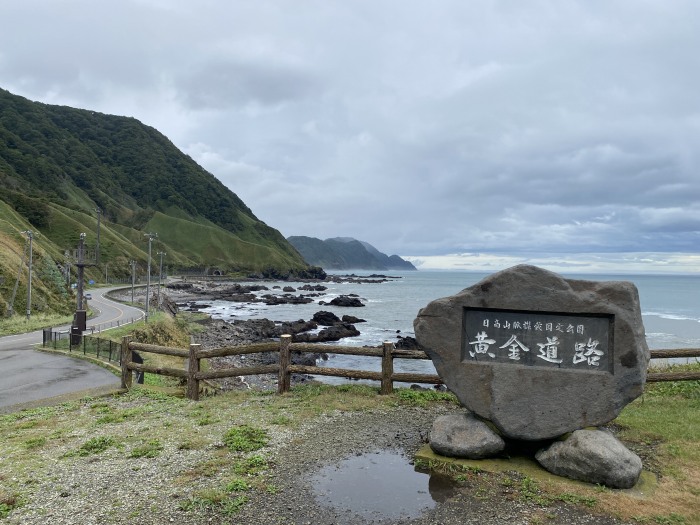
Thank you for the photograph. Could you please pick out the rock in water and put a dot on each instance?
(464, 436)
(537, 354)
(594, 456)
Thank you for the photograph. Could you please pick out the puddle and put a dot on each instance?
(380, 485)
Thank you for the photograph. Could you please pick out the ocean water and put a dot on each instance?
(670, 309)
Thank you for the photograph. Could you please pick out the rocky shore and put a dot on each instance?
(323, 327)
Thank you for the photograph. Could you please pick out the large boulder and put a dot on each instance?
(537, 354)
(464, 436)
(594, 456)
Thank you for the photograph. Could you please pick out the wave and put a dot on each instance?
(672, 316)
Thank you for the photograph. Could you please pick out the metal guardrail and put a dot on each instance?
(98, 347)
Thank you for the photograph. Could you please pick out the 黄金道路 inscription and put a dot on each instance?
(538, 338)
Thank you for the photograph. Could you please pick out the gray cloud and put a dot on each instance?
(459, 126)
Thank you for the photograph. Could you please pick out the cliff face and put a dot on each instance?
(345, 253)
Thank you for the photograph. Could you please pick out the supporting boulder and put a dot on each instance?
(594, 456)
(464, 436)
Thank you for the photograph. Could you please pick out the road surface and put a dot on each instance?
(27, 375)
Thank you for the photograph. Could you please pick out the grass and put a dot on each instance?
(226, 438)
(19, 324)
(245, 438)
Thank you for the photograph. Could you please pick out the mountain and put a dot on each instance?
(59, 165)
(346, 253)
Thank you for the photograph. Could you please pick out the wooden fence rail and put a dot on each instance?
(284, 369)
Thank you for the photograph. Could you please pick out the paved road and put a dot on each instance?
(28, 375)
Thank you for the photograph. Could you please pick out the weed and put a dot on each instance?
(92, 446)
(244, 438)
(237, 485)
(281, 420)
(151, 449)
(577, 499)
(208, 499)
(233, 505)
(669, 519)
(35, 443)
(116, 416)
(251, 466)
(530, 492)
(9, 502)
(205, 420)
(422, 398)
(507, 481)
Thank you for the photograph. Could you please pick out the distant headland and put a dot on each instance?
(346, 253)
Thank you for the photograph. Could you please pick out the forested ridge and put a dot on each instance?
(59, 165)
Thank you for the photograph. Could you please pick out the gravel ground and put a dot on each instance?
(114, 489)
(331, 439)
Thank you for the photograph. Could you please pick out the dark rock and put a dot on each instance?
(346, 301)
(285, 299)
(332, 333)
(313, 288)
(297, 327)
(325, 318)
(352, 319)
(179, 286)
(288, 289)
(407, 343)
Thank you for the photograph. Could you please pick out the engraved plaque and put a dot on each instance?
(536, 338)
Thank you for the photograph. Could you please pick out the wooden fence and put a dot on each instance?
(193, 374)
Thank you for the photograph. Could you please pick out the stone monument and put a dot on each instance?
(535, 356)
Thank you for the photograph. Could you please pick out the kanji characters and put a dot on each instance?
(481, 345)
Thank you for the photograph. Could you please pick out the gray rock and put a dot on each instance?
(464, 436)
(538, 400)
(594, 456)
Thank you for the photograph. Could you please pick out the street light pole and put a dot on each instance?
(150, 236)
(133, 279)
(30, 235)
(97, 247)
(81, 270)
(160, 274)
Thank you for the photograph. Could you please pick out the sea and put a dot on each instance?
(670, 307)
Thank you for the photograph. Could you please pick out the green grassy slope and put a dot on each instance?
(58, 164)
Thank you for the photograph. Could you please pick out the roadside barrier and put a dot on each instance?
(98, 347)
(193, 374)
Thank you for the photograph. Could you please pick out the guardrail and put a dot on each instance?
(99, 347)
(284, 368)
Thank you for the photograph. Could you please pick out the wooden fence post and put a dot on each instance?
(285, 378)
(192, 369)
(126, 359)
(387, 368)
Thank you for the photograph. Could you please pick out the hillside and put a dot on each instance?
(346, 253)
(58, 165)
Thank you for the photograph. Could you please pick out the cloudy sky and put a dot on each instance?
(512, 130)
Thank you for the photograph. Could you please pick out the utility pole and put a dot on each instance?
(106, 281)
(150, 236)
(97, 244)
(160, 274)
(81, 270)
(133, 279)
(30, 235)
(67, 259)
